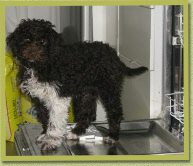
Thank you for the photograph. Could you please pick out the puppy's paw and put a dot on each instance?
(48, 146)
(48, 143)
(40, 139)
(51, 144)
(72, 136)
(109, 140)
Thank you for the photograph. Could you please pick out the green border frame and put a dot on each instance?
(94, 3)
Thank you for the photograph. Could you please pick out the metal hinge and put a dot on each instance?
(177, 41)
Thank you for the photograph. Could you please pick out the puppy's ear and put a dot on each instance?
(10, 40)
(56, 43)
(55, 38)
(11, 43)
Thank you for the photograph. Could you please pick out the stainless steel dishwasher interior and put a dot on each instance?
(136, 138)
(145, 138)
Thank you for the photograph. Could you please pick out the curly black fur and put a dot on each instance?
(83, 71)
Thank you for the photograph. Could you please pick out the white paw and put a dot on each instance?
(48, 143)
(72, 136)
(109, 140)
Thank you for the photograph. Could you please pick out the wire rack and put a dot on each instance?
(176, 110)
(176, 105)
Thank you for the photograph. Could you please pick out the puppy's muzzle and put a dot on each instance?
(34, 53)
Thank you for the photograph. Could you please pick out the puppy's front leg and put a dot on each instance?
(58, 117)
(57, 109)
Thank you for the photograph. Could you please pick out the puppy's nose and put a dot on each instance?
(33, 53)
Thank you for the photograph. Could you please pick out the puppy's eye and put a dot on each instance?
(27, 40)
(43, 42)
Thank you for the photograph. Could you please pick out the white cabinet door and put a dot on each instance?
(135, 45)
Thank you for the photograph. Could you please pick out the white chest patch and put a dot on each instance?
(57, 106)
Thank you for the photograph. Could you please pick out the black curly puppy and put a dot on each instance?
(52, 73)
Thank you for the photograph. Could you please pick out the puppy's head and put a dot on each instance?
(32, 39)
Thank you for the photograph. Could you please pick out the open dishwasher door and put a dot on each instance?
(136, 138)
(142, 35)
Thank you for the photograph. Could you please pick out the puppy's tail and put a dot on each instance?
(136, 71)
